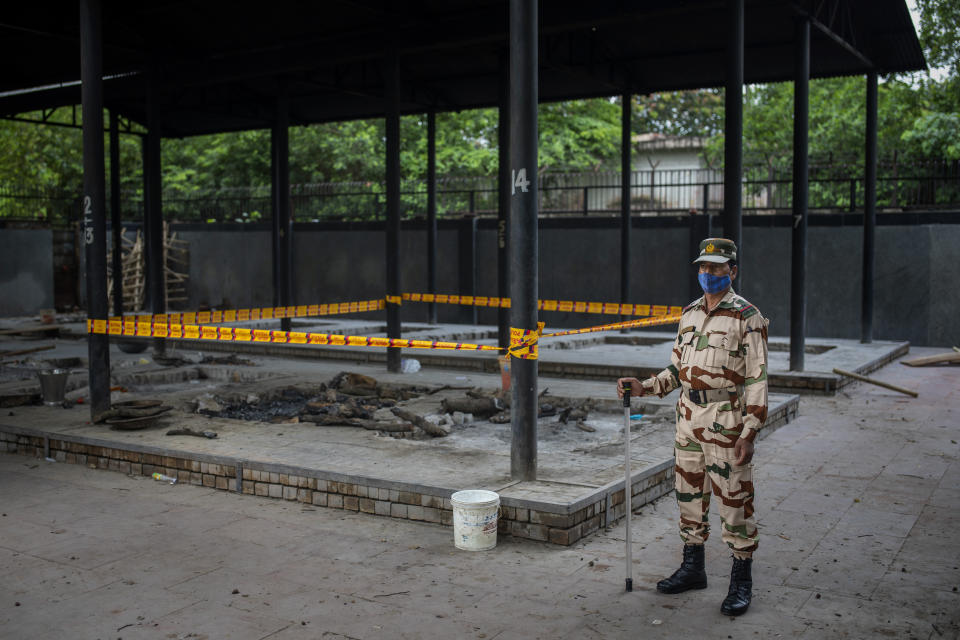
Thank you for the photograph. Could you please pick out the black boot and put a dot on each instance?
(741, 584)
(690, 575)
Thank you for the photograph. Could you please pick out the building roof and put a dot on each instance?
(218, 65)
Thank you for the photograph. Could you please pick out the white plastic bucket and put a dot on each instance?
(475, 519)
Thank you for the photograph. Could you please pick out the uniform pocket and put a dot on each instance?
(722, 350)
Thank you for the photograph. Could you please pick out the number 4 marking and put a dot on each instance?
(520, 180)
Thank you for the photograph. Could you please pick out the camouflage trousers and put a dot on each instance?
(705, 464)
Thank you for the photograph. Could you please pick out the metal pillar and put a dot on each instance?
(523, 231)
(733, 132)
(503, 201)
(626, 171)
(798, 254)
(116, 225)
(94, 194)
(432, 211)
(869, 211)
(468, 266)
(282, 226)
(152, 212)
(392, 80)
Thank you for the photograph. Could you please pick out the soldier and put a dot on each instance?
(720, 362)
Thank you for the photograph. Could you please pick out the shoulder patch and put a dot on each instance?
(748, 312)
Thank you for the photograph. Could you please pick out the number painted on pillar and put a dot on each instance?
(520, 180)
(88, 219)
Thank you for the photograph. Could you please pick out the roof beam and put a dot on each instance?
(832, 35)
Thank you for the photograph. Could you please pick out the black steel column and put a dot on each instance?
(116, 224)
(869, 211)
(153, 211)
(467, 267)
(94, 194)
(282, 226)
(733, 131)
(392, 79)
(503, 201)
(432, 211)
(523, 230)
(626, 171)
(798, 255)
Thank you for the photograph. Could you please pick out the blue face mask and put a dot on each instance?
(713, 284)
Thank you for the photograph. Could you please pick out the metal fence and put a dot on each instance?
(834, 187)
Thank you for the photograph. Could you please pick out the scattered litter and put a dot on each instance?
(637, 416)
(409, 365)
(49, 459)
(191, 432)
(656, 622)
(163, 478)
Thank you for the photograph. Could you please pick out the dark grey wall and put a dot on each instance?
(917, 269)
(26, 271)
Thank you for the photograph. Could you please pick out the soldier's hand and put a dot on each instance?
(743, 449)
(636, 389)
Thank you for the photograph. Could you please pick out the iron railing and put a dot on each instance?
(767, 189)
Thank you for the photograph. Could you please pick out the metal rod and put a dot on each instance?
(94, 193)
(523, 231)
(432, 211)
(798, 256)
(392, 92)
(116, 225)
(282, 225)
(733, 132)
(626, 171)
(869, 211)
(153, 214)
(503, 201)
(627, 485)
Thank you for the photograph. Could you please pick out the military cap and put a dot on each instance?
(717, 250)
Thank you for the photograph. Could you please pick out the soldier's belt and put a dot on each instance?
(705, 396)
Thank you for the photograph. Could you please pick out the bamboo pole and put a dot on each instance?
(886, 385)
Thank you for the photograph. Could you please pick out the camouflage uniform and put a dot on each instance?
(720, 361)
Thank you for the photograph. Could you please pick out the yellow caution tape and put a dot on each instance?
(235, 334)
(266, 313)
(523, 342)
(640, 322)
(573, 306)
(361, 306)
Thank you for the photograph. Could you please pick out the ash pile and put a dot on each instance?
(356, 400)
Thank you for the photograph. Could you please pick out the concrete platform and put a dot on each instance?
(595, 356)
(580, 475)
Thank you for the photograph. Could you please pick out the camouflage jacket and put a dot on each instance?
(723, 349)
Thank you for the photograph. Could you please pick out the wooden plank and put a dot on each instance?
(939, 358)
(30, 329)
(22, 352)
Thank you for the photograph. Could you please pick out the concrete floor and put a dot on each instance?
(857, 500)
